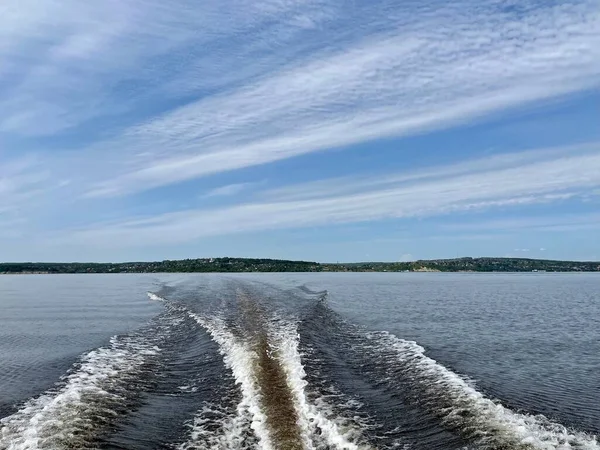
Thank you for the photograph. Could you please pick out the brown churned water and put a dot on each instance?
(275, 395)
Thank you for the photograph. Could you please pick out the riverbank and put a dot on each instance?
(244, 265)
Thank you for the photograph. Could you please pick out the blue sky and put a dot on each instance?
(304, 129)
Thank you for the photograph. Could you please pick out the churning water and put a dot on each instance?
(300, 361)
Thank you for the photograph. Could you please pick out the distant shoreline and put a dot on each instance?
(255, 265)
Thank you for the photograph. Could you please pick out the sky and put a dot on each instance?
(321, 130)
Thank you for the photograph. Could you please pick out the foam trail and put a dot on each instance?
(263, 358)
(217, 427)
(239, 358)
(314, 424)
(463, 408)
(156, 298)
(93, 396)
(230, 434)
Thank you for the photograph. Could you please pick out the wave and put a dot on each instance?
(101, 387)
(255, 341)
(267, 365)
(311, 381)
(462, 408)
(220, 428)
(319, 295)
(316, 419)
(239, 358)
(92, 397)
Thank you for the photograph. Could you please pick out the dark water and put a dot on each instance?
(300, 361)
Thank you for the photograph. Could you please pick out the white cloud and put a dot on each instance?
(20, 180)
(436, 70)
(543, 181)
(265, 81)
(65, 62)
(363, 182)
(562, 222)
(229, 190)
(273, 80)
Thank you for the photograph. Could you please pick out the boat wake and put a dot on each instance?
(461, 407)
(263, 356)
(102, 386)
(247, 373)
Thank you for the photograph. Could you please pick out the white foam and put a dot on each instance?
(227, 434)
(155, 297)
(487, 419)
(68, 417)
(312, 418)
(316, 428)
(240, 359)
(187, 388)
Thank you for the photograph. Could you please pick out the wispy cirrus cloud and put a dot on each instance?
(121, 97)
(563, 222)
(63, 63)
(381, 181)
(475, 186)
(20, 180)
(443, 67)
(230, 189)
(277, 79)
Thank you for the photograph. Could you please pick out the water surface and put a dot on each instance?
(299, 361)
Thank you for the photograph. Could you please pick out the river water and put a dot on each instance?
(300, 361)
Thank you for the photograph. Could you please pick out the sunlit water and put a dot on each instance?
(300, 361)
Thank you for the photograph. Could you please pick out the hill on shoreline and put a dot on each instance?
(235, 265)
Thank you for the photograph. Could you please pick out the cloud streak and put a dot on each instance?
(445, 67)
(552, 223)
(122, 97)
(64, 63)
(229, 190)
(564, 176)
(21, 179)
